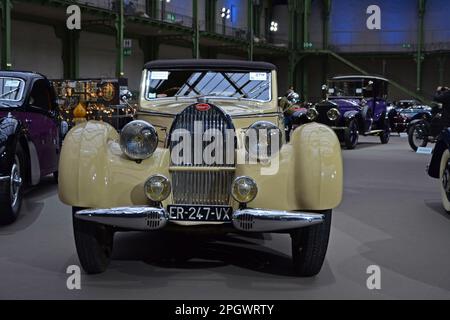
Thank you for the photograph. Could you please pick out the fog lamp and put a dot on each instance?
(157, 188)
(244, 189)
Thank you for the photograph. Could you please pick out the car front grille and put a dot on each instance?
(200, 183)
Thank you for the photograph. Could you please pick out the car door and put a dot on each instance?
(43, 126)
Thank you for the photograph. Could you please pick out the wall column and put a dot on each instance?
(420, 40)
(250, 30)
(150, 48)
(70, 51)
(196, 31)
(6, 62)
(120, 26)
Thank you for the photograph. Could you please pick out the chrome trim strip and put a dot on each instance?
(34, 164)
(5, 178)
(261, 220)
(135, 218)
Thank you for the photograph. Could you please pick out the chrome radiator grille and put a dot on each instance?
(206, 187)
(197, 182)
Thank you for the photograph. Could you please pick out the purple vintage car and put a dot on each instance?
(354, 105)
(30, 136)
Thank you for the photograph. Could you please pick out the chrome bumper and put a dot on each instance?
(248, 220)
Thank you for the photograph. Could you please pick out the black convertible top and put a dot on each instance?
(26, 75)
(210, 64)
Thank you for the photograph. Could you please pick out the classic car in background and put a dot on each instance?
(30, 136)
(140, 178)
(439, 167)
(354, 105)
(406, 112)
(426, 129)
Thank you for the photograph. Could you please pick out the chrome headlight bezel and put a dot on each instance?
(312, 114)
(333, 114)
(152, 182)
(254, 149)
(138, 140)
(244, 182)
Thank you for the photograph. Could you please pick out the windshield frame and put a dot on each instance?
(22, 88)
(147, 79)
(329, 96)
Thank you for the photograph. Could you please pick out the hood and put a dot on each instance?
(230, 107)
(345, 105)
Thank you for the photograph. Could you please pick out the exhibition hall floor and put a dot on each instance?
(391, 217)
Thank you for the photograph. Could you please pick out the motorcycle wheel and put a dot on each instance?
(417, 137)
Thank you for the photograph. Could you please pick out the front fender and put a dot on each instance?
(416, 121)
(94, 173)
(309, 175)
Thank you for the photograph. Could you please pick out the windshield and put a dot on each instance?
(222, 84)
(348, 89)
(11, 89)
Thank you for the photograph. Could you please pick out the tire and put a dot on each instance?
(445, 180)
(414, 143)
(351, 135)
(309, 247)
(386, 134)
(11, 200)
(94, 243)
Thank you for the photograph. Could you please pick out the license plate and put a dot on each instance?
(200, 213)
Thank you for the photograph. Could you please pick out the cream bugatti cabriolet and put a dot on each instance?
(207, 151)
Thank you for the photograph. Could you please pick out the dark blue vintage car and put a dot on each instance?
(30, 136)
(354, 105)
(407, 112)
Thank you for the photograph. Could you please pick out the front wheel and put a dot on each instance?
(385, 135)
(445, 180)
(417, 136)
(351, 135)
(309, 247)
(94, 243)
(11, 196)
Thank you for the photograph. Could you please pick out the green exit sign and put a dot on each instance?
(171, 17)
(127, 52)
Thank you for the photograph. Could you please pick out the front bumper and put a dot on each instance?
(248, 220)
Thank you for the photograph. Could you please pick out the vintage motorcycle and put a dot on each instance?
(425, 130)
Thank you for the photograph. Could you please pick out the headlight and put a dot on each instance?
(259, 137)
(157, 188)
(333, 114)
(244, 189)
(138, 140)
(312, 114)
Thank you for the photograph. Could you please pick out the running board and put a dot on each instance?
(373, 132)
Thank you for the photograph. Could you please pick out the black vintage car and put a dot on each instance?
(354, 105)
(439, 167)
(30, 136)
